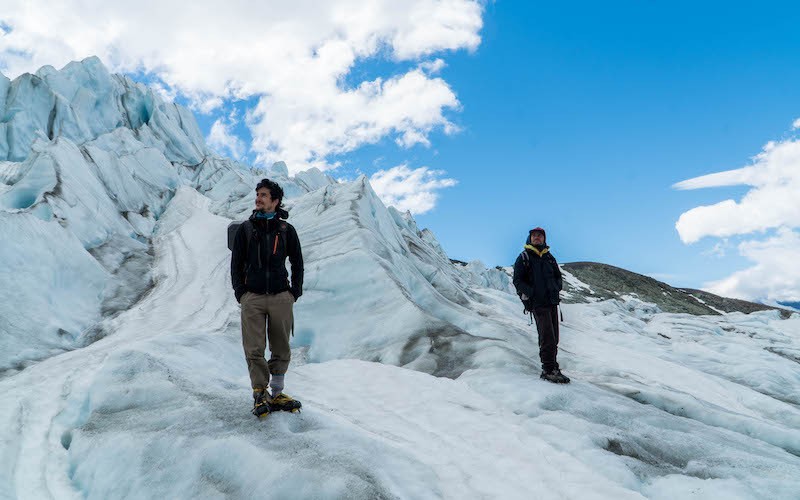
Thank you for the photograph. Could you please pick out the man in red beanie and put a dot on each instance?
(538, 281)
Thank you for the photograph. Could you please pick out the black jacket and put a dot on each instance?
(539, 280)
(259, 266)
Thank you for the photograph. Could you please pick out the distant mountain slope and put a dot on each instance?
(609, 282)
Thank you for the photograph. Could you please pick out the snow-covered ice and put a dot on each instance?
(122, 373)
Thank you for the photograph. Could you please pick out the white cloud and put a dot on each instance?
(796, 124)
(432, 67)
(407, 189)
(294, 57)
(410, 106)
(718, 250)
(776, 274)
(771, 205)
(224, 142)
(165, 93)
(773, 201)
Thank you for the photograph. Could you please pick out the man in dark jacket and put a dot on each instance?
(261, 285)
(538, 281)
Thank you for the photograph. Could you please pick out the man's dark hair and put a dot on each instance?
(275, 190)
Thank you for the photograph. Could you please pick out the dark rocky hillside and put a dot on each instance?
(608, 282)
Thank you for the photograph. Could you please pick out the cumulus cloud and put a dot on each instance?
(406, 189)
(224, 142)
(293, 57)
(409, 106)
(776, 274)
(770, 207)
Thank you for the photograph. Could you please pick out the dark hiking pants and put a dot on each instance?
(546, 318)
(273, 313)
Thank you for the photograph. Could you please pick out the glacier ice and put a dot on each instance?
(101, 157)
(418, 375)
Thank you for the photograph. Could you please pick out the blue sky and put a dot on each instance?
(580, 117)
(577, 117)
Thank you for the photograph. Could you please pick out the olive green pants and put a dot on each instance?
(274, 312)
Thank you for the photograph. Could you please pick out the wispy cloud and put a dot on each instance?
(771, 203)
(432, 67)
(293, 58)
(406, 189)
(719, 249)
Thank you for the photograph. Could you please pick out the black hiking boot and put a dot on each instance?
(555, 376)
(564, 378)
(282, 402)
(260, 403)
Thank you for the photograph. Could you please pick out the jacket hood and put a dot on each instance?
(538, 250)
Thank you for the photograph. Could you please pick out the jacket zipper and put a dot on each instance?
(266, 269)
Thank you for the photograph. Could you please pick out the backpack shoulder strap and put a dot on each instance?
(248, 231)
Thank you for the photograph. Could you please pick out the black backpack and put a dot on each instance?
(233, 228)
